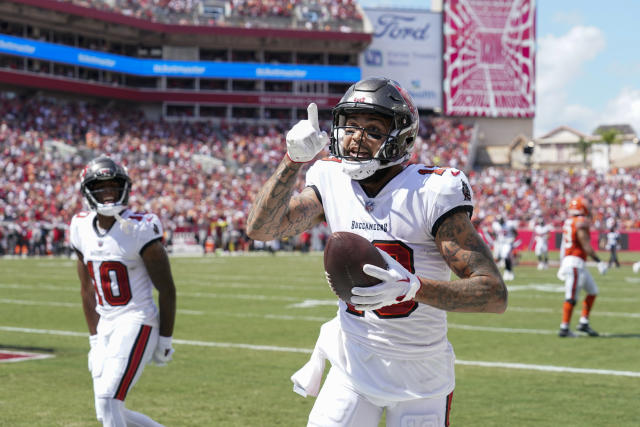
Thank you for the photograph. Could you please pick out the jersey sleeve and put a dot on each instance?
(148, 231)
(74, 235)
(316, 177)
(448, 193)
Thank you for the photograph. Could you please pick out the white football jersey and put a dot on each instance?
(541, 233)
(114, 261)
(401, 219)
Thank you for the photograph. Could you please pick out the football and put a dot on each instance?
(344, 256)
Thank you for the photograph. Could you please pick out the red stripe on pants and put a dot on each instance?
(133, 364)
(448, 411)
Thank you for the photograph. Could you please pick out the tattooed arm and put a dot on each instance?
(276, 213)
(480, 287)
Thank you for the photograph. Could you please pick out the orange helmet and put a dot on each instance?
(578, 206)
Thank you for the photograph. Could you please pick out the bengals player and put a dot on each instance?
(576, 246)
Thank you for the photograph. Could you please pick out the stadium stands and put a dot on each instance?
(202, 176)
(315, 15)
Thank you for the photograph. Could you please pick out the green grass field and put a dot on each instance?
(246, 323)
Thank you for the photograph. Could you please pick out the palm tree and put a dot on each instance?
(609, 136)
(583, 147)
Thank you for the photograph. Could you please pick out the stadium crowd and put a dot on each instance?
(199, 177)
(191, 12)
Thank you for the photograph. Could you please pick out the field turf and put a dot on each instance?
(246, 323)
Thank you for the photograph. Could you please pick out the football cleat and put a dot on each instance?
(584, 327)
(565, 333)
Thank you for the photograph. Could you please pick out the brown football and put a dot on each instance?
(344, 255)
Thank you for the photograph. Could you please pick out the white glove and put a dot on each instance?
(93, 352)
(398, 285)
(163, 352)
(305, 139)
(602, 267)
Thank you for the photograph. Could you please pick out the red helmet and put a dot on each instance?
(578, 206)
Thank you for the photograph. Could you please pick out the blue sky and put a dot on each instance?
(588, 62)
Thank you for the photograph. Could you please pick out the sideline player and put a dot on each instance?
(613, 242)
(541, 233)
(576, 244)
(506, 233)
(390, 350)
(120, 259)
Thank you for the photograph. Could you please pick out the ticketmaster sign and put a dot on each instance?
(152, 67)
(407, 47)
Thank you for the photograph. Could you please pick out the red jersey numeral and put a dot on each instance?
(404, 255)
(114, 282)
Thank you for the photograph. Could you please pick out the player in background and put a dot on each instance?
(121, 259)
(576, 244)
(613, 242)
(541, 233)
(506, 233)
(390, 350)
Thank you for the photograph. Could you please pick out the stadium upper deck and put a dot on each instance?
(236, 38)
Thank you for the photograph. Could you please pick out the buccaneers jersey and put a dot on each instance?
(401, 219)
(113, 259)
(570, 241)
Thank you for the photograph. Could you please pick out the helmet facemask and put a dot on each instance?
(104, 169)
(384, 98)
(93, 197)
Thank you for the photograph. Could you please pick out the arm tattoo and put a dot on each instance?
(275, 213)
(480, 287)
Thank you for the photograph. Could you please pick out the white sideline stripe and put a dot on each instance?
(523, 366)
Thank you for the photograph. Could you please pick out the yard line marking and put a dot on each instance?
(244, 346)
(43, 303)
(548, 368)
(507, 365)
(75, 305)
(496, 329)
(43, 331)
(305, 304)
(549, 310)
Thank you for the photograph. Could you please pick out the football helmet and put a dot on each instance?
(99, 170)
(578, 206)
(381, 96)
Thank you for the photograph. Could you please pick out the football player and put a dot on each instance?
(389, 350)
(505, 233)
(576, 244)
(541, 238)
(121, 259)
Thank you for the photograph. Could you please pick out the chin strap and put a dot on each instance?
(126, 225)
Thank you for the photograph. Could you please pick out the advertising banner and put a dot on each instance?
(407, 47)
(153, 67)
(489, 58)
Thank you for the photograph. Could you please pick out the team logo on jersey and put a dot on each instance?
(100, 243)
(466, 193)
(156, 229)
(369, 205)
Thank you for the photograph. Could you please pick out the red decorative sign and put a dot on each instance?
(489, 58)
